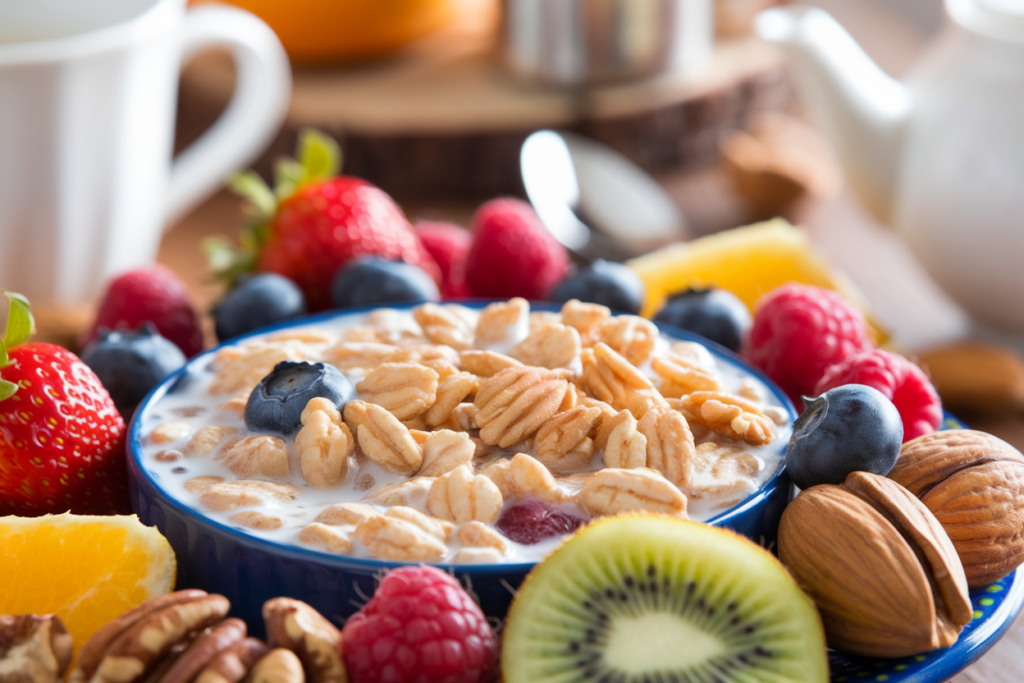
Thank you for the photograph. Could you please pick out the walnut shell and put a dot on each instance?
(877, 563)
(973, 483)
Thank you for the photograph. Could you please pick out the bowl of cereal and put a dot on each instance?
(476, 436)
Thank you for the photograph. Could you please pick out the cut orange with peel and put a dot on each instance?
(85, 569)
(748, 261)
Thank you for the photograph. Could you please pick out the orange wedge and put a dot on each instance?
(748, 261)
(86, 570)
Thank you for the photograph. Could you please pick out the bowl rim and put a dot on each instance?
(133, 445)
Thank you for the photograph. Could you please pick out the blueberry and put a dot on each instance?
(714, 314)
(277, 402)
(852, 428)
(260, 300)
(368, 280)
(130, 363)
(603, 282)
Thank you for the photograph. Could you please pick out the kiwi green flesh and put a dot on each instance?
(659, 600)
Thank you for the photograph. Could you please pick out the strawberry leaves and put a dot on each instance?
(319, 159)
(20, 325)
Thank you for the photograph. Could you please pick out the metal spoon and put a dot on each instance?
(595, 201)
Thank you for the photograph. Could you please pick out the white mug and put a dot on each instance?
(87, 106)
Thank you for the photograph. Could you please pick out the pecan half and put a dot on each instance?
(203, 649)
(730, 416)
(513, 404)
(611, 491)
(140, 646)
(231, 664)
(460, 496)
(294, 625)
(403, 389)
(278, 666)
(33, 649)
(384, 439)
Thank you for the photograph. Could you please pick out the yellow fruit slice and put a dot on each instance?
(748, 261)
(86, 570)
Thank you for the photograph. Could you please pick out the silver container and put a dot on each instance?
(581, 42)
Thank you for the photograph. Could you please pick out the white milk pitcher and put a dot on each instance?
(87, 106)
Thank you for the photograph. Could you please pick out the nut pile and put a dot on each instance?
(461, 414)
(177, 638)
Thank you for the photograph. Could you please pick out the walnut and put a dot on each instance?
(444, 450)
(256, 456)
(460, 496)
(513, 404)
(551, 346)
(383, 439)
(33, 649)
(564, 441)
(451, 391)
(669, 442)
(324, 443)
(326, 538)
(611, 491)
(486, 363)
(503, 323)
(205, 441)
(522, 476)
(390, 538)
(478, 534)
(730, 416)
(629, 335)
(443, 326)
(404, 389)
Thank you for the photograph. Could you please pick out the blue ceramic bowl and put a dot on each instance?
(249, 570)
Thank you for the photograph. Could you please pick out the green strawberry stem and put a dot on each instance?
(319, 159)
(20, 325)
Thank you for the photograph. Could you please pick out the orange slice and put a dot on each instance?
(86, 570)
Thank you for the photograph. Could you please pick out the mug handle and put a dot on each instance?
(260, 101)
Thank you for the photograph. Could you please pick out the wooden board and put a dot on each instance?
(445, 117)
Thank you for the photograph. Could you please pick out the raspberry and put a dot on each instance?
(898, 380)
(532, 521)
(512, 253)
(449, 245)
(419, 627)
(799, 332)
(155, 295)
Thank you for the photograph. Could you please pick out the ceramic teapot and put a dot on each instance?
(939, 156)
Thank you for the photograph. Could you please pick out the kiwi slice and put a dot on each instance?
(648, 599)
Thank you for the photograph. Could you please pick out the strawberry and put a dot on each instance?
(154, 295)
(512, 253)
(448, 244)
(314, 222)
(61, 438)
